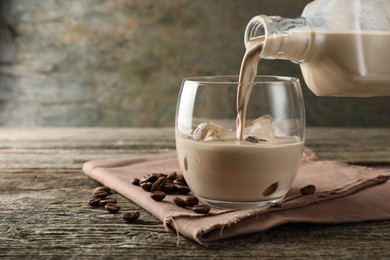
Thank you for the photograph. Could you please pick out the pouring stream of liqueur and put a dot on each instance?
(248, 72)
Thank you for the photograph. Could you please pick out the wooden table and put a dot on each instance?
(44, 200)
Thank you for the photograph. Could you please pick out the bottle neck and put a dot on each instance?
(287, 39)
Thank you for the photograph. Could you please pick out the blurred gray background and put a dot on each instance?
(120, 62)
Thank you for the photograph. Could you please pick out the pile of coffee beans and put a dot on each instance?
(161, 184)
(168, 183)
(100, 199)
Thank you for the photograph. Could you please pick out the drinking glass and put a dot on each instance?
(223, 171)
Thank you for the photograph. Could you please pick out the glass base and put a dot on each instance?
(239, 204)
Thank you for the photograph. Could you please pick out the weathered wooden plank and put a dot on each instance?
(91, 134)
(367, 146)
(54, 222)
(57, 222)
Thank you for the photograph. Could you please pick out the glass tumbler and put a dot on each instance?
(229, 172)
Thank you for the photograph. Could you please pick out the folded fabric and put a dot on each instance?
(344, 194)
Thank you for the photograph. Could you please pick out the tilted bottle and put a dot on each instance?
(342, 46)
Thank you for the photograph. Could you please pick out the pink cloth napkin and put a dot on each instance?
(344, 194)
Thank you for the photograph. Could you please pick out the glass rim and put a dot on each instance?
(223, 79)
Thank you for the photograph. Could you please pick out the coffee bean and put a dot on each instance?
(254, 139)
(95, 202)
(180, 202)
(102, 188)
(177, 182)
(158, 195)
(271, 189)
(112, 207)
(192, 201)
(182, 189)
(135, 181)
(181, 180)
(307, 190)
(172, 176)
(106, 201)
(149, 178)
(201, 209)
(147, 186)
(130, 216)
(158, 184)
(169, 188)
(100, 194)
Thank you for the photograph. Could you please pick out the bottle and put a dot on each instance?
(342, 46)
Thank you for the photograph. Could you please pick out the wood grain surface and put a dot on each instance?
(44, 196)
